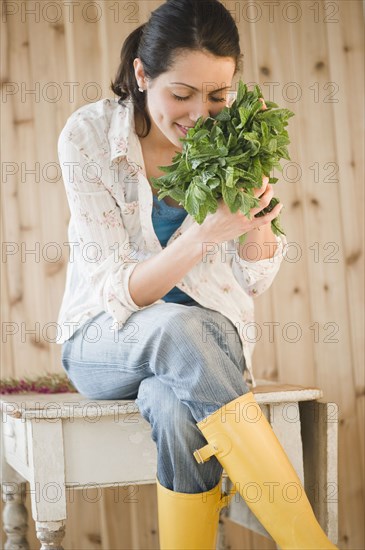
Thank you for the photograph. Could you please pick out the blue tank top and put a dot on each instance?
(166, 219)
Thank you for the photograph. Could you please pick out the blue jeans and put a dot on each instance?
(180, 363)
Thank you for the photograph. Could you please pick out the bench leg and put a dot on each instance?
(221, 536)
(50, 534)
(47, 482)
(15, 516)
(320, 447)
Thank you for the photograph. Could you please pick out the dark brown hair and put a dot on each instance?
(174, 26)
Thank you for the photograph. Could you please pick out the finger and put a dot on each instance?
(258, 192)
(265, 182)
(267, 218)
(265, 200)
(264, 107)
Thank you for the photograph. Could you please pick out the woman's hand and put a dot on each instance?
(224, 225)
(265, 193)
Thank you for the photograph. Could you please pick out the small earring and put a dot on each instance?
(140, 89)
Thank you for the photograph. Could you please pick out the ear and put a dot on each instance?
(139, 72)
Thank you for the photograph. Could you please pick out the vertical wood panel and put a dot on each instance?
(346, 49)
(84, 52)
(6, 355)
(115, 514)
(30, 353)
(10, 286)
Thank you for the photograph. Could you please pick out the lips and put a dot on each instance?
(183, 129)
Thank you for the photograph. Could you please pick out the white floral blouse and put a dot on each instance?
(111, 230)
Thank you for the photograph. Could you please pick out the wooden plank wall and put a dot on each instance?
(307, 56)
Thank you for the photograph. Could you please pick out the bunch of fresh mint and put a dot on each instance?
(227, 156)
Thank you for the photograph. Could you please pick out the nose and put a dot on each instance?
(200, 109)
(194, 117)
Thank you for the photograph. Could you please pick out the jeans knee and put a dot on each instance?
(202, 329)
(159, 405)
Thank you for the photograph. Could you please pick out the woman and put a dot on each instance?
(155, 306)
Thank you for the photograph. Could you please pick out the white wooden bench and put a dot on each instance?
(60, 441)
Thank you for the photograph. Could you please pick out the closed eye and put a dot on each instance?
(214, 99)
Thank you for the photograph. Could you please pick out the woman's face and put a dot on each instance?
(195, 86)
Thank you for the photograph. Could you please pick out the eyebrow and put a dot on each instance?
(196, 89)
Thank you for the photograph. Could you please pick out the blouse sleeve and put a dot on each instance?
(108, 255)
(256, 277)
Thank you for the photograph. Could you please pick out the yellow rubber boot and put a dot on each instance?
(243, 441)
(189, 521)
